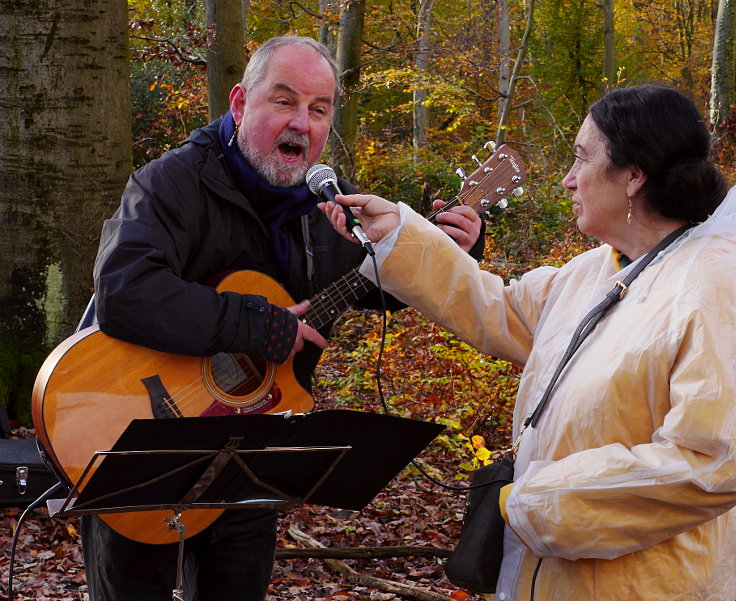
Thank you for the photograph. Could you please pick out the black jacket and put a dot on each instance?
(182, 221)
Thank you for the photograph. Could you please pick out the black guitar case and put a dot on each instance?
(23, 473)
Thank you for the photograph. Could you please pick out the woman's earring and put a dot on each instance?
(235, 135)
(628, 216)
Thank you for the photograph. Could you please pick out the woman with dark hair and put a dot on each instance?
(660, 130)
(625, 488)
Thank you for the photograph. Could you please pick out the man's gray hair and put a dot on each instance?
(255, 71)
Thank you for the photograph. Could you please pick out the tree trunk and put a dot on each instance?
(225, 56)
(504, 53)
(723, 67)
(609, 37)
(349, 46)
(328, 23)
(244, 10)
(421, 62)
(65, 154)
(504, 117)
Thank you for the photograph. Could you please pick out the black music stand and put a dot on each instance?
(338, 458)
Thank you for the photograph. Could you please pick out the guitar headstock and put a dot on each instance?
(500, 176)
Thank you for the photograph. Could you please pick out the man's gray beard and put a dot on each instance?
(270, 168)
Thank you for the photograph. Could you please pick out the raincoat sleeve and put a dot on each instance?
(423, 267)
(608, 501)
(140, 292)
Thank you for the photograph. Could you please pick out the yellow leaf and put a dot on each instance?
(478, 442)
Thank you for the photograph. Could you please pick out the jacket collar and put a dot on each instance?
(214, 172)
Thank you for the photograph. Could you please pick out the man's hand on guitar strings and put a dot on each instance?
(305, 332)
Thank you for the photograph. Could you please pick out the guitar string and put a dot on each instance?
(348, 289)
(190, 395)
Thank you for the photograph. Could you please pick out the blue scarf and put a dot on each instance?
(274, 205)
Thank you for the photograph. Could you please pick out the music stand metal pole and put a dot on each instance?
(174, 524)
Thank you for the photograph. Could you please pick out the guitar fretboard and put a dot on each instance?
(497, 176)
(334, 300)
(329, 304)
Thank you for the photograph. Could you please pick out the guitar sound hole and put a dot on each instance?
(237, 374)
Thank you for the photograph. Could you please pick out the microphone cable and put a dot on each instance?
(382, 398)
(21, 520)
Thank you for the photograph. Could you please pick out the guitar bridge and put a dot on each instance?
(162, 405)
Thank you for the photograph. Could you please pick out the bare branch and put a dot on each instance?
(307, 10)
(193, 59)
(407, 591)
(361, 552)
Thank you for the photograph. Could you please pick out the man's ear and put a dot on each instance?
(637, 179)
(237, 102)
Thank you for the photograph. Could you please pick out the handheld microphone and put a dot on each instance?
(322, 181)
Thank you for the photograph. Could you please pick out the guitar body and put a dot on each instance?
(92, 386)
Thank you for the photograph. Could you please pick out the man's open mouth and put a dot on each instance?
(290, 152)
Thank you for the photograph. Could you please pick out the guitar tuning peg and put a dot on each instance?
(490, 145)
(477, 160)
(460, 172)
(495, 209)
(518, 191)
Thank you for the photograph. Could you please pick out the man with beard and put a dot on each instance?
(232, 197)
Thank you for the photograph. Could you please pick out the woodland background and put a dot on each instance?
(92, 89)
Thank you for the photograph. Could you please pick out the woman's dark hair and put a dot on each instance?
(660, 131)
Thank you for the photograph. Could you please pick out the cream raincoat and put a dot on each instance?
(627, 484)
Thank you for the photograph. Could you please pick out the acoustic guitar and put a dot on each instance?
(92, 385)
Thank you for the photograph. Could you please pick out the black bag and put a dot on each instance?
(23, 474)
(476, 561)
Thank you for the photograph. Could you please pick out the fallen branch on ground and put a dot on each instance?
(361, 552)
(407, 591)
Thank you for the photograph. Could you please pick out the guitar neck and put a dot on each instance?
(334, 300)
(501, 173)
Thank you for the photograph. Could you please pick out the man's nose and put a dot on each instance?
(300, 119)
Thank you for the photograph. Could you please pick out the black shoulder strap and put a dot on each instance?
(594, 316)
(308, 253)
